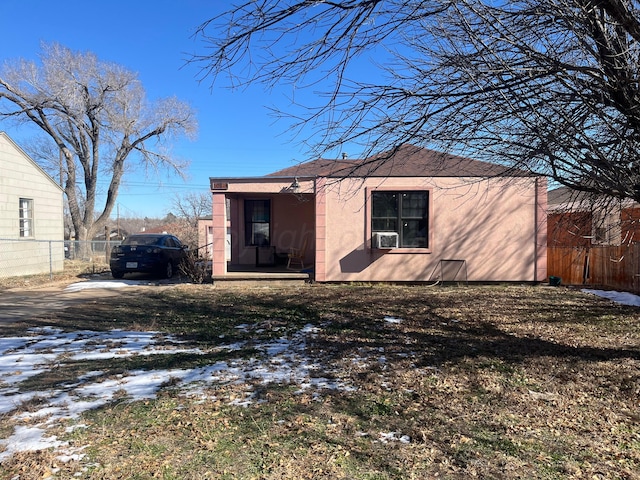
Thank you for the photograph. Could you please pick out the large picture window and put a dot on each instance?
(25, 212)
(405, 213)
(257, 223)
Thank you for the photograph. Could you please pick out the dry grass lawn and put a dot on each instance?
(504, 382)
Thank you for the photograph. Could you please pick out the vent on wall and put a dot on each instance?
(385, 240)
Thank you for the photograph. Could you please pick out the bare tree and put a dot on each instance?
(551, 86)
(188, 209)
(98, 116)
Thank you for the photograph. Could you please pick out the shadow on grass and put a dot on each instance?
(454, 369)
(433, 327)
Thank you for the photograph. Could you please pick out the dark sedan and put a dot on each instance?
(158, 254)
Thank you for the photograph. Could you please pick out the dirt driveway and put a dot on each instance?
(24, 304)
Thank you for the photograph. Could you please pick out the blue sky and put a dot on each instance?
(237, 135)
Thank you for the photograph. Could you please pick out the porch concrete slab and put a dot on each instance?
(263, 279)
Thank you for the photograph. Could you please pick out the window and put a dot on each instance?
(406, 213)
(257, 220)
(26, 217)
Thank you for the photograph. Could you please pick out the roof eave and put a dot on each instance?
(261, 179)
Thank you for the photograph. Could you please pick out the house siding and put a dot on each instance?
(490, 223)
(20, 177)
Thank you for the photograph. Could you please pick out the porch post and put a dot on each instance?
(321, 230)
(219, 236)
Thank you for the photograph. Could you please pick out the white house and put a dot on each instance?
(31, 215)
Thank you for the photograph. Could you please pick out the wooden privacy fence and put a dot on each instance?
(610, 266)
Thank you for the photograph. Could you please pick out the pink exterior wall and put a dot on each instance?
(219, 263)
(495, 225)
(498, 226)
(541, 225)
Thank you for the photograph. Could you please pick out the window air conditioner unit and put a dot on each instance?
(385, 240)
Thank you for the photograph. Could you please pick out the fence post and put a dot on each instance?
(106, 244)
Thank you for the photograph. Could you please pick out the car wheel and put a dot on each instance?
(168, 271)
(117, 274)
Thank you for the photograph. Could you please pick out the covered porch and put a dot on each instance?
(258, 223)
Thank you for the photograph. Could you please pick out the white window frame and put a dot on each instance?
(25, 214)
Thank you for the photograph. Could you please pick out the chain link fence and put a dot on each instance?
(23, 257)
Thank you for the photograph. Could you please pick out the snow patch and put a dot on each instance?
(282, 360)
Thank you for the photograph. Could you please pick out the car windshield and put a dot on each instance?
(142, 240)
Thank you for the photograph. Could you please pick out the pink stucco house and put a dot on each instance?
(393, 217)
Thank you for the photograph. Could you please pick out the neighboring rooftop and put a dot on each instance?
(565, 198)
(561, 195)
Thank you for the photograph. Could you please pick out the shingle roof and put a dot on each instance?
(406, 161)
(560, 195)
(567, 197)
